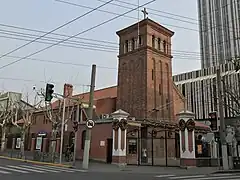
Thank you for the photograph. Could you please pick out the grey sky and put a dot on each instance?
(47, 15)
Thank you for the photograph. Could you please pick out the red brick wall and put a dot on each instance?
(136, 91)
(178, 100)
(100, 132)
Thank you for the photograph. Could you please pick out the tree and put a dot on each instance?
(231, 96)
(5, 119)
(54, 114)
(22, 117)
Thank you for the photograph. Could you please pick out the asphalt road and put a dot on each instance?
(13, 170)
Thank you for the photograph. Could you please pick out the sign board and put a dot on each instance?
(39, 143)
(209, 137)
(102, 143)
(90, 123)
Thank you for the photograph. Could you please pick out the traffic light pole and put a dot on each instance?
(62, 130)
(222, 122)
(90, 116)
(76, 135)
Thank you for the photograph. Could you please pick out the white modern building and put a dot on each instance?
(219, 26)
(199, 89)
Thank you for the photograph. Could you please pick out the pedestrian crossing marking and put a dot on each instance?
(201, 177)
(186, 177)
(38, 168)
(211, 178)
(32, 168)
(164, 175)
(5, 172)
(67, 169)
(14, 170)
(54, 168)
(17, 167)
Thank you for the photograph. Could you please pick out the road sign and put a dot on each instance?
(209, 137)
(90, 123)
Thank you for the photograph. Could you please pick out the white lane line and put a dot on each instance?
(16, 167)
(51, 168)
(4, 172)
(211, 178)
(41, 169)
(186, 177)
(14, 170)
(164, 175)
(221, 174)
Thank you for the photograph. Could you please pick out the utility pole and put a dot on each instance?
(62, 130)
(222, 122)
(76, 134)
(90, 117)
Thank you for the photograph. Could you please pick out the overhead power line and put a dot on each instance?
(59, 27)
(82, 32)
(74, 44)
(131, 17)
(64, 35)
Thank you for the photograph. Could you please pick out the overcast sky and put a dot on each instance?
(46, 15)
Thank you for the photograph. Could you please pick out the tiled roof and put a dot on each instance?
(109, 92)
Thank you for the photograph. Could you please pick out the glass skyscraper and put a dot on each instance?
(219, 25)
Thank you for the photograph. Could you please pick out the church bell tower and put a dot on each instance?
(145, 86)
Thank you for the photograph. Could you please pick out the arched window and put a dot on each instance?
(83, 138)
(153, 41)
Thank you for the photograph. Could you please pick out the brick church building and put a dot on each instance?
(145, 90)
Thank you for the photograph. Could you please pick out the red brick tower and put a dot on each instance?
(145, 86)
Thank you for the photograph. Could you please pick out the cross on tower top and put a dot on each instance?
(145, 13)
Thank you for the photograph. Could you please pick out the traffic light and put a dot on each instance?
(49, 92)
(75, 126)
(213, 119)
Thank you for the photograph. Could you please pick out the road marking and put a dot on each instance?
(68, 169)
(186, 177)
(16, 167)
(221, 174)
(53, 168)
(41, 169)
(164, 175)
(15, 170)
(211, 177)
(5, 172)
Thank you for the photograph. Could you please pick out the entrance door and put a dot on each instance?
(109, 150)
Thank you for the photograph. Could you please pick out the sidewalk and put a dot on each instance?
(110, 168)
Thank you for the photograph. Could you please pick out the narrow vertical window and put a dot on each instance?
(126, 46)
(152, 74)
(153, 41)
(159, 44)
(140, 40)
(164, 46)
(133, 43)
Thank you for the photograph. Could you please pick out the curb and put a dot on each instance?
(37, 162)
(227, 171)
